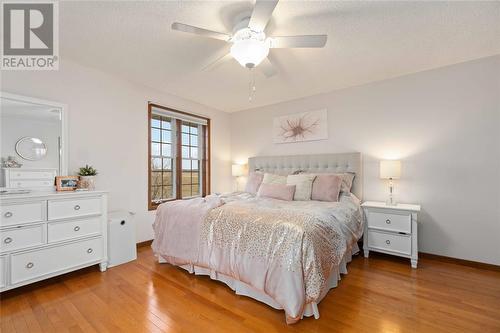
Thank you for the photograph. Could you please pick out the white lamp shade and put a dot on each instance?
(238, 170)
(390, 169)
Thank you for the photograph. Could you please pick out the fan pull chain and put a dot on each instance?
(251, 86)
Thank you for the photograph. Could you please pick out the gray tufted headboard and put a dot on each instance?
(319, 163)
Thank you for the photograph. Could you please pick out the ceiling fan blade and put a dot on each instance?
(262, 12)
(200, 31)
(267, 67)
(298, 41)
(213, 64)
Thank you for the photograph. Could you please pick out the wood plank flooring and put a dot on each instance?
(380, 294)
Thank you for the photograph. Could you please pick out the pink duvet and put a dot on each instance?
(284, 249)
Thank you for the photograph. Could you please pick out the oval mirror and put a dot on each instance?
(31, 149)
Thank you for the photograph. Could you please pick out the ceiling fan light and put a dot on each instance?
(250, 52)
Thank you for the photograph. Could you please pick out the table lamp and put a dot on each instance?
(390, 169)
(237, 170)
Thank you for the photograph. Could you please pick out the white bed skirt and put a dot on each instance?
(241, 288)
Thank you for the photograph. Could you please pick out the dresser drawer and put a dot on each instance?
(389, 242)
(32, 174)
(59, 231)
(22, 213)
(31, 183)
(3, 272)
(22, 237)
(394, 221)
(35, 264)
(59, 209)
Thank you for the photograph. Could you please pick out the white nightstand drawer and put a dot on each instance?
(394, 221)
(23, 237)
(59, 209)
(59, 231)
(389, 242)
(22, 213)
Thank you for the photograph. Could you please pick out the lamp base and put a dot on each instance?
(391, 202)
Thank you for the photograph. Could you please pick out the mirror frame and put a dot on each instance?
(63, 161)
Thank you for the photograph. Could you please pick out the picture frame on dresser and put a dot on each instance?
(391, 229)
(66, 183)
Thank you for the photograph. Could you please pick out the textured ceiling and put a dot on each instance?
(367, 41)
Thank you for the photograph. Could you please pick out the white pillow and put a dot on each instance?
(303, 185)
(271, 178)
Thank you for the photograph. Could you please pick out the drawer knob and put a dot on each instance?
(90, 250)
(7, 240)
(77, 207)
(8, 214)
(77, 228)
(388, 242)
(388, 221)
(30, 265)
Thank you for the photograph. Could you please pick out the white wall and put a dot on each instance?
(445, 126)
(108, 129)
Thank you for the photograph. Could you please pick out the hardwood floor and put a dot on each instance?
(380, 294)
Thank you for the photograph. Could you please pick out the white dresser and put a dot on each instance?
(47, 234)
(391, 229)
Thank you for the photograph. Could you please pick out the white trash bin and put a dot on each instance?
(121, 238)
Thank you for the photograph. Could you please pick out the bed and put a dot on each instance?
(287, 254)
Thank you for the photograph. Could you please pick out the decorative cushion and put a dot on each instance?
(276, 191)
(303, 183)
(271, 178)
(326, 187)
(347, 179)
(254, 181)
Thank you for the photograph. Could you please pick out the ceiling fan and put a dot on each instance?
(250, 45)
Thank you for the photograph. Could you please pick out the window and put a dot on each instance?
(178, 155)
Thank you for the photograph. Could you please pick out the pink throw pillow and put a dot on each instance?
(254, 181)
(277, 191)
(326, 187)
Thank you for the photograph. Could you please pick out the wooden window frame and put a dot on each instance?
(205, 160)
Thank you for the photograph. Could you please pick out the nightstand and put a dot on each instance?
(391, 230)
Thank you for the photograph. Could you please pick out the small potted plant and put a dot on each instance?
(87, 177)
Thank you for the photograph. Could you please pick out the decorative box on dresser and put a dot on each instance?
(391, 229)
(44, 234)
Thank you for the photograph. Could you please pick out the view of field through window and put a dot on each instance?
(163, 158)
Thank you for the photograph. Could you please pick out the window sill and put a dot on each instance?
(155, 206)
